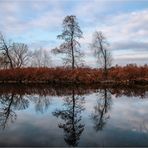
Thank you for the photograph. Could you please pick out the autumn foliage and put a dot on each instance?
(129, 73)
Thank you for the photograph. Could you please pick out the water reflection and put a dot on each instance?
(41, 102)
(101, 109)
(10, 103)
(71, 114)
(62, 90)
(64, 113)
(129, 91)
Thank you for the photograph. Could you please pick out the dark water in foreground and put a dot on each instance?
(73, 117)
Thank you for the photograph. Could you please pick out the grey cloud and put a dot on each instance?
(135, 45)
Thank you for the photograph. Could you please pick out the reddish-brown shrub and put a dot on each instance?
(79, 75)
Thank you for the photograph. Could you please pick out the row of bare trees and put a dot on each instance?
(14, 55)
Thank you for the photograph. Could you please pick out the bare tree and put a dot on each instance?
(100, 47)
(5, 49)
(41, 58)
(70, 47)
(19, 54)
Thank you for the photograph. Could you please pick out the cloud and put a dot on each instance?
(88, 10)
(134, 45)
(19, 17)
(50, 19)
(127, 26)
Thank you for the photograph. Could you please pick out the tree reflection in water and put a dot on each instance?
(8, 104)
(41, 102)
(101, 110)
(71, 115)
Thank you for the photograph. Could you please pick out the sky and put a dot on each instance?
(38, 22)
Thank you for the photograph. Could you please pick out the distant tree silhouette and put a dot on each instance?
(70, 47)
(72, 127)
(40, 58)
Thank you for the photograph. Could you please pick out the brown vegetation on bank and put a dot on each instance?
(119, 75)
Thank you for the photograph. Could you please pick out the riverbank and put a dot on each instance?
(128, 75)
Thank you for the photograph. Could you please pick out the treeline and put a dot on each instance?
(130, 74)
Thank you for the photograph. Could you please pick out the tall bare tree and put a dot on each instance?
(70, 47)
(100, 47)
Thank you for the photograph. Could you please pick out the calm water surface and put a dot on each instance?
(100, 117)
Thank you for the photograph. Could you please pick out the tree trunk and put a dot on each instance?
(72, 51)
(105, 65)
(7, 53)
(10, 61)
(73, 59)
